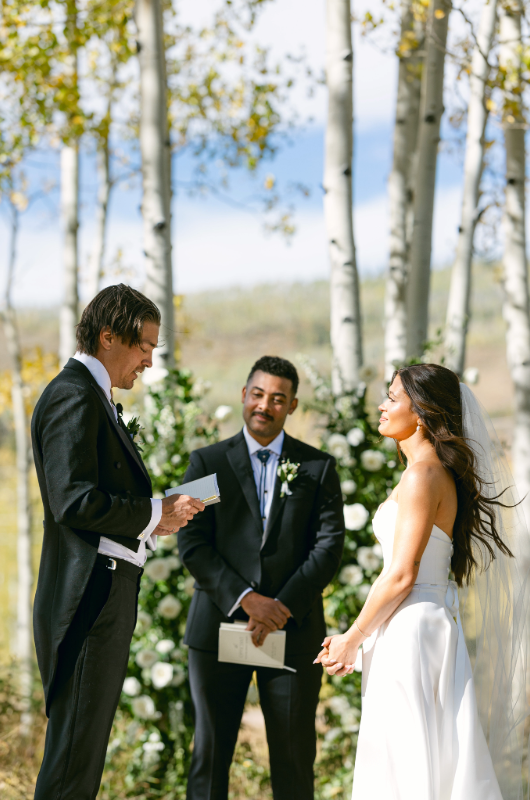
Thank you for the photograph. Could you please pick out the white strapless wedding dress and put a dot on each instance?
(420, 736)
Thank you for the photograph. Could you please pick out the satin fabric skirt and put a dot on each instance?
(420, 736)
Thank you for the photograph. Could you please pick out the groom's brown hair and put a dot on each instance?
(122, 309)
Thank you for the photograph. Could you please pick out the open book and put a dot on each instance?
(236, 647)
(204, 489)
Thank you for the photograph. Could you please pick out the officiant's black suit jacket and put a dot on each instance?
(93, 483)
(227, 551)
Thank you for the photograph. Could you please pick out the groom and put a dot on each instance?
(98, 520)
(263, 558)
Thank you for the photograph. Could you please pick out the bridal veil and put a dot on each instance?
(495, 611)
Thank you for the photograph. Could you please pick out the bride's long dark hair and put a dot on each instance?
(434, 393)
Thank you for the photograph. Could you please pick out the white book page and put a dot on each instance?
(236, 647)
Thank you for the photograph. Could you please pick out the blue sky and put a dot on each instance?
(217, 245)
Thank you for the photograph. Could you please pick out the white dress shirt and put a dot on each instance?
(106, 546)
(271, 470)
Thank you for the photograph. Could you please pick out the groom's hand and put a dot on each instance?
(269, 612)
(177, 510)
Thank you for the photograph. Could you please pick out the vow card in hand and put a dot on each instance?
(204, 489)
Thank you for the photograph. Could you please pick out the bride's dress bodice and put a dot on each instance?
(436, 559)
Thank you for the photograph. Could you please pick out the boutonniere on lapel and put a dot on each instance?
(287, 472)
(132, 427)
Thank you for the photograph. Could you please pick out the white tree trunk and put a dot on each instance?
(400, 193)
(156, 163)
(477, 117)
(346, 338)
(104, 187)
(431, 110)
(24, 646)
(516, 307)
(70, 219)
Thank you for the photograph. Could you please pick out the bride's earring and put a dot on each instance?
(419, 427)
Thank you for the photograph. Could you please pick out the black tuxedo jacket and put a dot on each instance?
(93, 483)
(227, 551)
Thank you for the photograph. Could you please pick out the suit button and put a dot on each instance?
(117, 464)
(254, 584)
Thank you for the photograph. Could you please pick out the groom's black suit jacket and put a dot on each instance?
(93, 483)
(226, 550)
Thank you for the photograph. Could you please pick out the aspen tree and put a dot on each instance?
(156, 171)
(431, 110)
(477, 117)
(346, 338)
(401, 185)
(516, 306)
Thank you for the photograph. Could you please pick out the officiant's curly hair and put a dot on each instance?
(435, 397)
(120, 308)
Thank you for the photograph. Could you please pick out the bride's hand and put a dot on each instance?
(339, 654)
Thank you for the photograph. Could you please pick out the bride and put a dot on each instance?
(421, 736)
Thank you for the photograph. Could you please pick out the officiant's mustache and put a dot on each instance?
(263, 414)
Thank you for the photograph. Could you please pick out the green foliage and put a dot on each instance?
(154, 729)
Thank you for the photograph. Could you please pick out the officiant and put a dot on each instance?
(263, 555)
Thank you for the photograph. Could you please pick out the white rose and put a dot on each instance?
(355, 516)
(143, 707)
(351, 575)
(378, 550)
(222, 413)
(167, 542)
(355, 437)
(165, 646)
(372, 460)
(338, 446)
(169, 607)
(132, 687)
(146, 658)
(158, 569)
(471, 375)
(188, 585)
(363, 591)
(176, 459)
(144, 621)
(161, 674)
(348, 487)
(368, 559)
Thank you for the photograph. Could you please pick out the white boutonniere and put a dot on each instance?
(287, 472)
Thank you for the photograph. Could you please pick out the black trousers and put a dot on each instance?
(289, 702)
(91, 669)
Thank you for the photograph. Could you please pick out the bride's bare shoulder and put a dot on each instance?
(422, 477)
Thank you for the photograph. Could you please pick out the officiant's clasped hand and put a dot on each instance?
(266, 615)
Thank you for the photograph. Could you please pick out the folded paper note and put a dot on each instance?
(204, 489)
(236, 647)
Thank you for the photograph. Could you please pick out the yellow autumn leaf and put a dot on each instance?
(439, 14)
(269, 181)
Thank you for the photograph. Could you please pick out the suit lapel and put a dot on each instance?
(127, 435)
(239, 460)
(278, 501)
(125, 438)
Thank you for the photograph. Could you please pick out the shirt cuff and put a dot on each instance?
(238, 601)
(156, 516)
